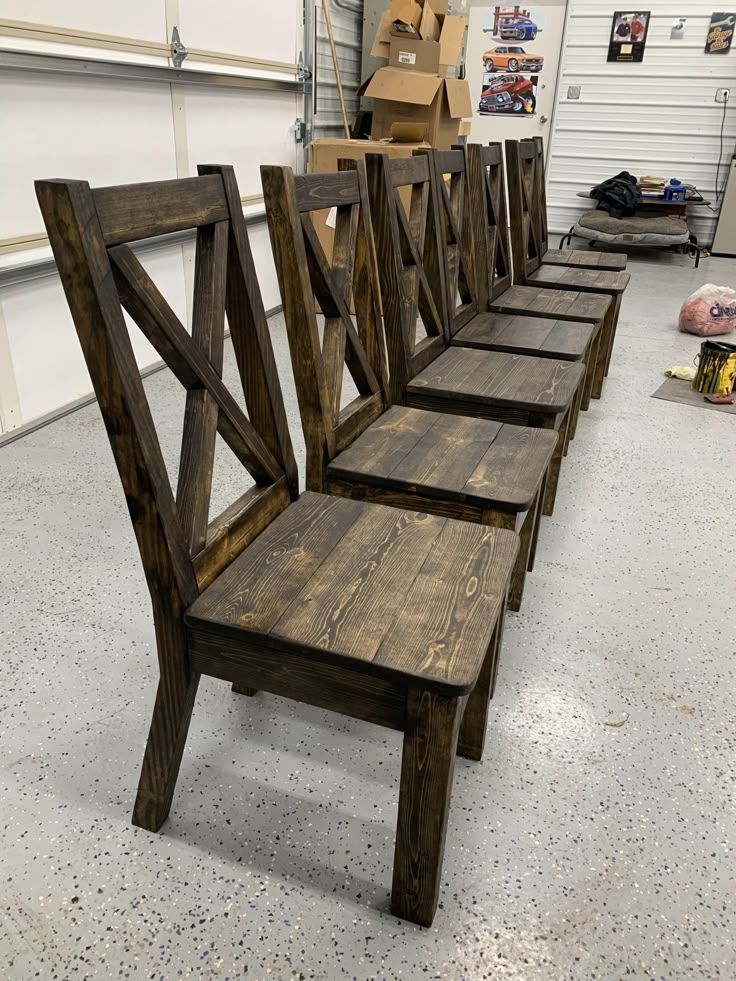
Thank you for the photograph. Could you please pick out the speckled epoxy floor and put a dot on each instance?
(576, 849)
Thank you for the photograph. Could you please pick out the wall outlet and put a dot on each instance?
(722, 95)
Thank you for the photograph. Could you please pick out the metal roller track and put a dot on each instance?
(131, 72)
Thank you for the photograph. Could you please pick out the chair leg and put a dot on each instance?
(578, 405)
(508, 520)
(518, 576)
(596, 364)
(537, 523)
(166, 738)
(612, 338)
(472, 736)
(244, 690)
(553, 473)
(427, 768)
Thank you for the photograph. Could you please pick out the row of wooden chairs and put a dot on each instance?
(379, 592)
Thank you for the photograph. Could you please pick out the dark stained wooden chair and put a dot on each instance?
(575, 258)
(490, 261)
(385, 615)
(526, 249)
(472, 469)
(427, 372)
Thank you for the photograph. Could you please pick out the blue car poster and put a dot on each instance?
(511, 60)
(720, 33)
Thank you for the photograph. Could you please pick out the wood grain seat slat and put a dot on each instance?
(582, 280)
(374, 588)
(580, 259)
(494, 378)
(561, 304)
(454, 458)
(538, 336)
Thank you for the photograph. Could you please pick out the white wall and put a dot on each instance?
(110, 131)
(656, 118)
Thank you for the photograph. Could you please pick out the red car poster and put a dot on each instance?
(508, 94)
(720, 33)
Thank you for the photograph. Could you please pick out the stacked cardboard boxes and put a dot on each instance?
(422, 45)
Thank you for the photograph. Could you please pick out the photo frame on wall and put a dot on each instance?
(628, 35)
(720, 33)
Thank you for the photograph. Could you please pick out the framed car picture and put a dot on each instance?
(628, 35)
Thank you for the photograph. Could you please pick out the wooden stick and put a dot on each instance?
(328, 22)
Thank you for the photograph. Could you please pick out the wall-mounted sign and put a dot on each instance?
(628, 35)
(720, 33)
(677, 32)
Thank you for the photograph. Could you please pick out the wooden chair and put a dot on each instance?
(428, 373)
(473, 469)
(385, 615)
(526, 249)
(490, 262)
(575, 258)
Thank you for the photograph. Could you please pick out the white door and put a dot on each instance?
(512, 62)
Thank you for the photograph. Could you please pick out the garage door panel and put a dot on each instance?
(264, 31)
(245, 129)
(49, 367)
(106, 133)
(144, 19)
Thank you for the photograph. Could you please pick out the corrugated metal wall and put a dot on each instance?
(347, 28)
(658, 117)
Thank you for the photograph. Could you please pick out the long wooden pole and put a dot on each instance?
(328, 22)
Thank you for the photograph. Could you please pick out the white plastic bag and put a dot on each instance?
(710, 310)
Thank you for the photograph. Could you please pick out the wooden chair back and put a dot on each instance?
(455, 228)
(410, 267)
(307, 282)
(541, 185)
(526, 252)
(487, 189)
(90, 231)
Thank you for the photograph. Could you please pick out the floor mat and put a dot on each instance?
(677, 390)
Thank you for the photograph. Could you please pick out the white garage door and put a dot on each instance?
(88, 90)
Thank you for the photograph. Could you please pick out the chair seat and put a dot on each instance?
(557, 303)
(583, 280)
(494, 378)
(581, 259)
(374, 589)
(458, 459)
(538, 336)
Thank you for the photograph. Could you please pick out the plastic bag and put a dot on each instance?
(710, 310)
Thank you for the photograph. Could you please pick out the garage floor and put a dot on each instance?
(595, 840)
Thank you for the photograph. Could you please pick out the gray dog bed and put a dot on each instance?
(657, 231)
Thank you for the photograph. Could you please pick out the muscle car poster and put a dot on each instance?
(511, 61)
(628, 35)
(720, 33)
(508, 94)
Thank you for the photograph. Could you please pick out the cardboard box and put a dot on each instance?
(323, 157)
(432, 57)
(402, 96)
(406, 12)
(451, 40)
(411, 54)
(382, 39)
